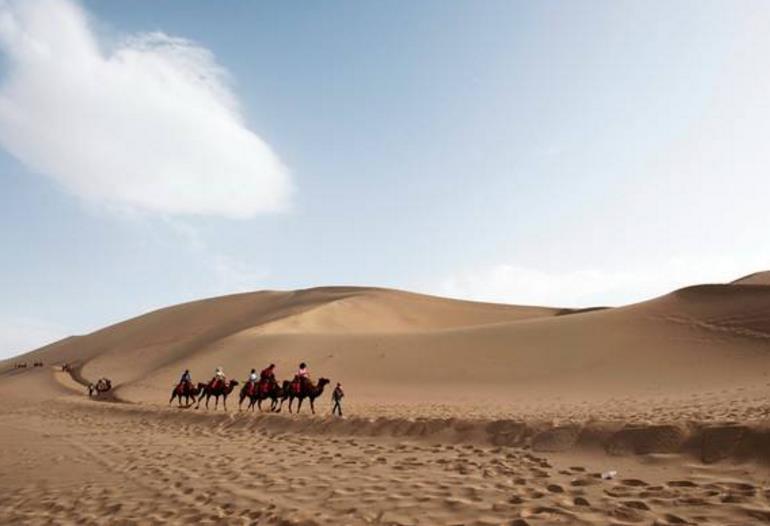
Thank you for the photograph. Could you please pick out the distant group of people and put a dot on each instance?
(267, 379)
(23, 365)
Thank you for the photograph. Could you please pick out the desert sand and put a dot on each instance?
(456, 412)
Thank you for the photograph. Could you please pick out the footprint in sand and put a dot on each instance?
(635, 483)
(682, 484)
(581, 501)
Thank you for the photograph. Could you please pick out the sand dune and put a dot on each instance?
(757, 278)
(406, 348)
(458, 412)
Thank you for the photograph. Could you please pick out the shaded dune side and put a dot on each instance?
(740, 310)
(757, 278)
(132, 349)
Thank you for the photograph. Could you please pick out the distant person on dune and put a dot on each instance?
(337, 396)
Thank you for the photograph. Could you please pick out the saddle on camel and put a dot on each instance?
(258, 390)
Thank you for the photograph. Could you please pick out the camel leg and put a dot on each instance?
(224, 402)
(312, 406)
(173, 395)
(299, 404)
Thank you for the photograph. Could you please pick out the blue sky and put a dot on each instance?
(529, 152)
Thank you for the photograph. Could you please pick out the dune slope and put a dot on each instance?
(396, 347)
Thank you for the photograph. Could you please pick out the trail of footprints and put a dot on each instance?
(221, 476)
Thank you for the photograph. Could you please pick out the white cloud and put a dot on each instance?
(590, 287)
(150, 125)
(19, 335)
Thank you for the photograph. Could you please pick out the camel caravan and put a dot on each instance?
(256, 389)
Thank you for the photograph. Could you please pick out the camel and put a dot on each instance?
(278, 393)
(260, 391)
(101, 386)
(251, 391)
(307, 390)
(216, 390)
(188, 391)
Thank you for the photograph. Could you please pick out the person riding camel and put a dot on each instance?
(268, 373)
(186, 380)
(219, 376)
(252, 381)
(267, 378)
(302, 377)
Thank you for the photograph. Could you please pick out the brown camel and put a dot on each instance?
(307, 390)
(260, 391)
(186, 390)
(279, 393)
(249, 390)
(217, 389)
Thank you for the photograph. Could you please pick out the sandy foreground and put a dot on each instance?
(457, 413)
(70, 460)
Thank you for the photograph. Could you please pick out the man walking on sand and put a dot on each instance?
(337, 396)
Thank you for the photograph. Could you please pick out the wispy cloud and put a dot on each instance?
(507, 283)
(150, 125)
